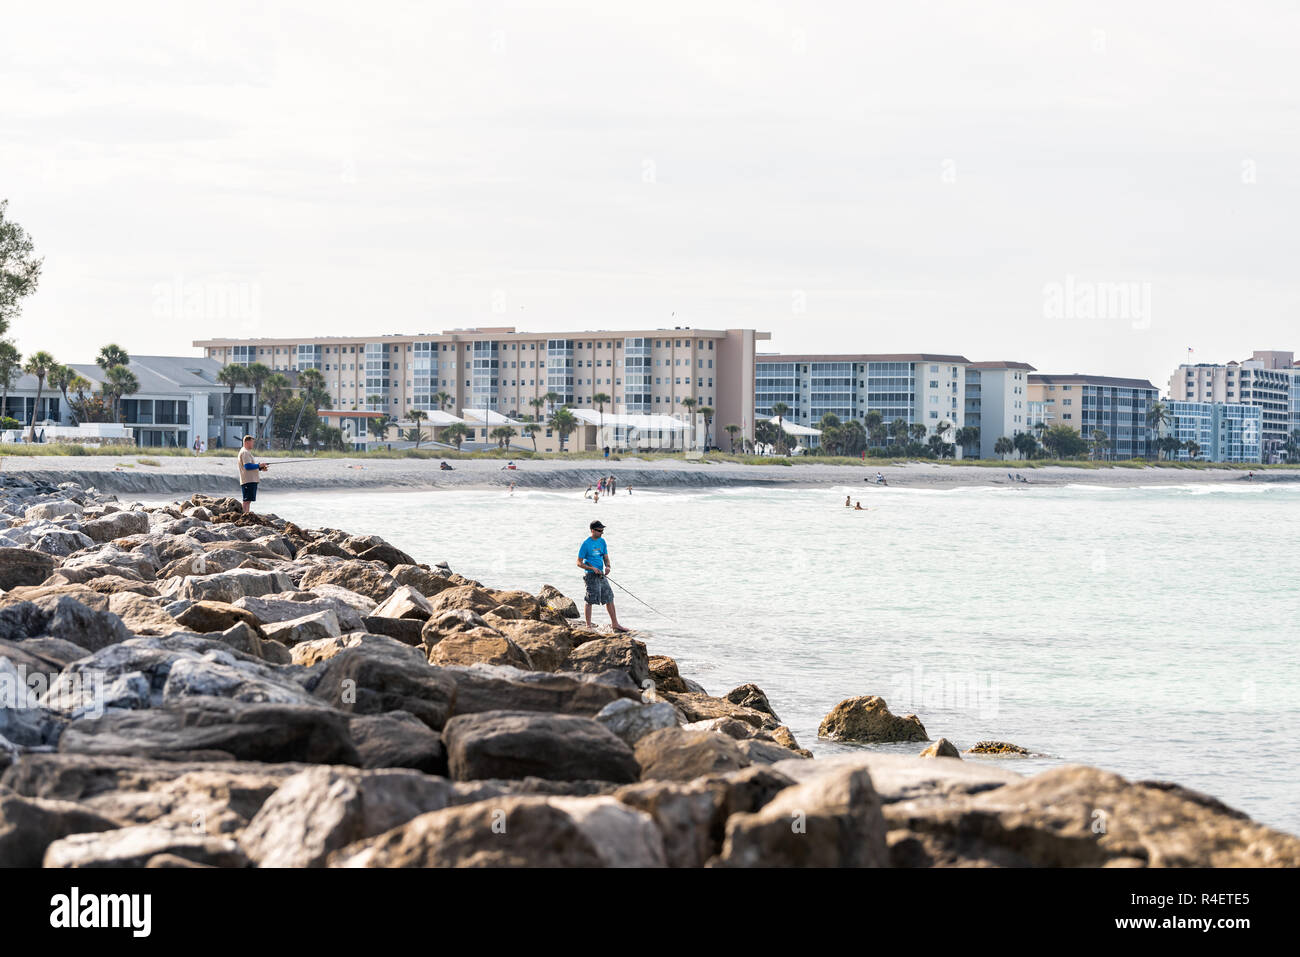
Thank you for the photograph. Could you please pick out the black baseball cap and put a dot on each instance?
(595, 525)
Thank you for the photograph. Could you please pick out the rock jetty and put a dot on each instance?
(186, 685)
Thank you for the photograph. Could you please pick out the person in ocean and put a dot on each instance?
(848, 501)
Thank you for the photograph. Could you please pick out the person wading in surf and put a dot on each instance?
(593, 559)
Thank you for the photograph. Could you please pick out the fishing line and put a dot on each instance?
(651, 607)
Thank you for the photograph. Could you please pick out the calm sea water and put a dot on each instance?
(1148, 631)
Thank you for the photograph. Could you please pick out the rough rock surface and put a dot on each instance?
(517, 744)
(869, 719)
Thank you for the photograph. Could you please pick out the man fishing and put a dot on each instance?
(593, 559)
(250, 471)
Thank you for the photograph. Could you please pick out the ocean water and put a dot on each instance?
(1151, 631)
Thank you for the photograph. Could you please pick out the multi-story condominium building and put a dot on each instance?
(178, 398)
(997, 401)
(1269, 379)
(506, 371)
(1225, 432)
(916, 387)
(1089, 403)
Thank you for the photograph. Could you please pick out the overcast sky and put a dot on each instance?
(1088, 187)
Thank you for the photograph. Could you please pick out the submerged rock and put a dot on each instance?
(868, 718)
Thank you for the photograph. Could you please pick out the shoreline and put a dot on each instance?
(182, 476)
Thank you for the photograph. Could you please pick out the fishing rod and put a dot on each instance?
(651, 607)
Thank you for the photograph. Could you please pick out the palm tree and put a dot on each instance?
(312, 386)
(708, 413)
(1157, 418)
(39, 365)
(600, 398)
(276, 389)
(61, 378)
(563, 422)
(1099, 442)
(552, 397)
(443, 400)
(731, 431)
(418, 416)
(80, 385)
(898, 429)
(11, 367)
(456, 433)
(112, 355)
(530, 431)
(872, 421)
(689, 405)
(780, 410)
(918, 430)
(256, 374)
(119, 381)
(503, 434)
(232, 376)
(537, 405)
(1003, 446)
(1193, 450)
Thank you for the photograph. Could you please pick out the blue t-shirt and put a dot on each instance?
(593, 552)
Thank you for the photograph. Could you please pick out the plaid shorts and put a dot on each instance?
(598, 590)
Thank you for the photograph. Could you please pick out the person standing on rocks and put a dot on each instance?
(250, 471)
(593, 559)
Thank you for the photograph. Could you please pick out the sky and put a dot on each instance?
(1088, 187)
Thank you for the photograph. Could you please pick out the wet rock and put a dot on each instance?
(135, 846)
(868, 718)
(832, 820)
(998, 748)
(760, 751)
(673, 754)
(663, 671)
(943, 748)
(751, 696)
(517, 832)
(516, 744)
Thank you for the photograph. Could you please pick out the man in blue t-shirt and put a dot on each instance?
(593, 559)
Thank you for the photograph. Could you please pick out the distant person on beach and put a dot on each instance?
(444, 467)
(611, 485)
(512, 488)
(859, 508)
(593, 559)
(250, 472)
(587, 494)
(848, 501)
(607, 451)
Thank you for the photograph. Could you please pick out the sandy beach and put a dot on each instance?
(126, 475)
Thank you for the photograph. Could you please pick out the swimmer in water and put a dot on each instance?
(848, 501)
(859, 508)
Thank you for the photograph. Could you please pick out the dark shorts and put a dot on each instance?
(250, 491)
(598, 590)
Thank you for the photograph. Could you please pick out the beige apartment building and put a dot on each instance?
(645, 372)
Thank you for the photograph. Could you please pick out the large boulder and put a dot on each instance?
(61, 541)
(323, 809)
(321, 624)
(664, 673)
(62, 616)
(135, 846)
(751, 696)
(116, 525)
(370, 579)
(427, 583)
(517, 744)
(463, 597)
(51, 510)
(673, 754)
(29, 825)
(547, 646)
(631, 720)
(517, 832)
(398, 739)
(374, 678)
(831, 820)
(495, 688)
(696, 706)
(22, 566)
(233, 585)
(218, 726)
(203, 616)
(1081, 817)
(405, 602)
(268, 609)
(612, 654)
(867, 718)
(481, 646)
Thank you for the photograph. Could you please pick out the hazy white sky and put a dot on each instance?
(851, 177)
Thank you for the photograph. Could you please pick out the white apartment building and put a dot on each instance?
(997, 401)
